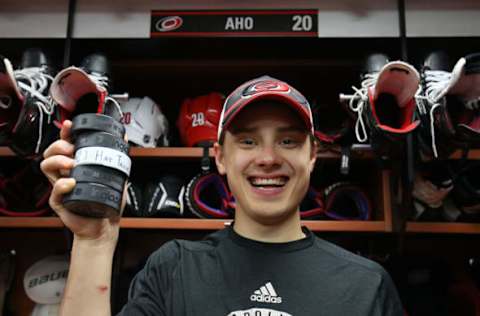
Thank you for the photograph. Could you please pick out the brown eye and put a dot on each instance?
(247, 142)
(288, 142)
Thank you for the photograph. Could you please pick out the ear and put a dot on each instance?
(313, 155)
(219, 158)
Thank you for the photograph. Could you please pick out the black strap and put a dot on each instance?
(205, 162)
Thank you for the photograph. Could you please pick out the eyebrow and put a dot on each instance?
(292, 128)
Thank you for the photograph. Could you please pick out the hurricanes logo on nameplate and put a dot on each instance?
(168, 23)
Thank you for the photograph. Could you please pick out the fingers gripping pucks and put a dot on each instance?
(102, 166)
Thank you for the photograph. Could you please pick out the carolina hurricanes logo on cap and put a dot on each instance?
(264, 86)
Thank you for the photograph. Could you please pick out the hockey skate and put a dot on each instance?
(27, 111)
(384, 104)
(448, 104)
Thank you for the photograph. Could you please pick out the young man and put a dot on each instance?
(265, 263)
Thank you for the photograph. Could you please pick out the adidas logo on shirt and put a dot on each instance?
(266, 294)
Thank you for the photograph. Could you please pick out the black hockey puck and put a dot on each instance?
(99, 174)
(101, 139)
(90, 122)
(93, 200)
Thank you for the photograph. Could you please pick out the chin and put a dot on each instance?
(266, 213)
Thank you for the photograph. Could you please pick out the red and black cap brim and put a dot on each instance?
(264, 88)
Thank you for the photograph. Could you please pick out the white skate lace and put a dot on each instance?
(357, 103)
(5, 101)
(102, 81)
(35, 81)
(473, 104)
(436, 81)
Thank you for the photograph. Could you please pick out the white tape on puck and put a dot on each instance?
(105, 157)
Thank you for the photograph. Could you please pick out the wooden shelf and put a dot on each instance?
(347, 226)
(191, 224)
(472, 154)
(214, 224)
(443, 228)
(168, 152)
(359, 152)
(196, 152)
(30, 222)
(6, 152)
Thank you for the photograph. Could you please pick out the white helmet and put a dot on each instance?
(46, 310)
(45, 280)
(145, 124)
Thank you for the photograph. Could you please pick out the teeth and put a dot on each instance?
(268, 181)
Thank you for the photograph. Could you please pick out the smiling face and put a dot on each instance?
(267, 156)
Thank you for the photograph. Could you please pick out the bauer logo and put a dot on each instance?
(48, 278)
(168, 23)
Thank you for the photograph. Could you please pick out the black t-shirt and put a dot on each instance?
(229, 275)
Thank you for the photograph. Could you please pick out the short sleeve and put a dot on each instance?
(150, 287)
(387, 300)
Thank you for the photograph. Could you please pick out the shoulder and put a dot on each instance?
(175, 249)
(343, 259)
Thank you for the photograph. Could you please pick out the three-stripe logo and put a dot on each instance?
(266, 294)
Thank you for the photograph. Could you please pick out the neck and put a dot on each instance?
(273, 231)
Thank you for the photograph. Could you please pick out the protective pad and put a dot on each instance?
(345, 201)
(25, 193)
(164, 198)
(207, 196)
(312, 206)
(134, 203)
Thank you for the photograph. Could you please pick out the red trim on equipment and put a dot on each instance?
(233, 12)
(299, 34)
(24, 214)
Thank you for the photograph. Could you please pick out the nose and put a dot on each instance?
(267, 157)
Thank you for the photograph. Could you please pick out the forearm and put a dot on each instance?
(89, 280)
